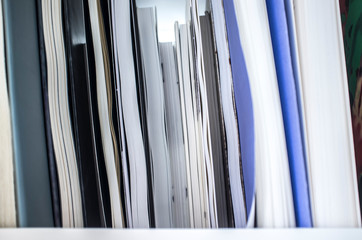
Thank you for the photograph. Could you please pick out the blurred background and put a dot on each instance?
(168, 12)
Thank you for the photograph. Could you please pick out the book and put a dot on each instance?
(230, 117)
(243, 121)
(53, 172)
(62, 136)
(219, 154)
(244, 109)
(7, 183)
(274, 199)
(188, 103)
(155, 105)
(289, 101)
(140, 85)
(124, 56)
(82, 114)
(96, 120)
(205, 161)
(104, 99)
(223, 131)
(181, 71)
(331, 159)
(105, 8)
(34, 205)
(124, 181)
(174, 130)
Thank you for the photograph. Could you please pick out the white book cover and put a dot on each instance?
(64, 149)
(185, 117)
(131, 118)
(180, 200)
(274, 199)
(195, 190)
(116, 21)
(331, 159)
(102, 76)
(155, 108)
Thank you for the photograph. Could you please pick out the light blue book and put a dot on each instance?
(281, 29)
(244, 105)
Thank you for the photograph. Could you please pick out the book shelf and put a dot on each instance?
(227, 234)
(189, 234)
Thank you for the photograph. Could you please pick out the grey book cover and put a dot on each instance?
(34, 205)
(218, 138)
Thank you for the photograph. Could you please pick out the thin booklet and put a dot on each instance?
(244, 108)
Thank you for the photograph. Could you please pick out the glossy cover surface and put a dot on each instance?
(289, 102)
(34, 202)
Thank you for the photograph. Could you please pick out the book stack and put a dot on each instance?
(249, 118)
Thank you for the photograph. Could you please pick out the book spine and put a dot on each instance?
(33, 192)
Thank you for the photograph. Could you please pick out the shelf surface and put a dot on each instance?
(174, 234)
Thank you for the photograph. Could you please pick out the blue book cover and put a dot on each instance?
(243, 102)
(288, 90)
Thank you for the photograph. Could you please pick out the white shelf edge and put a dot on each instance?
(178, 234)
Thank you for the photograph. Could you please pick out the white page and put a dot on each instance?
(274, 198)
(208, 167)
(196, 102)
(124, 160)
(331, 160)
(66, 208)
(230, 118)
(190, 119)
(104, 116)
(65, 114)
(155, 108)
(184, 122)
(176, 146)
(133, 133)
(197, 108)
(70, 197)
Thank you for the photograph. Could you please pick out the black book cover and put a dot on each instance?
(96, 124)
(107, 23)
(53, 172)
(82, 114)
